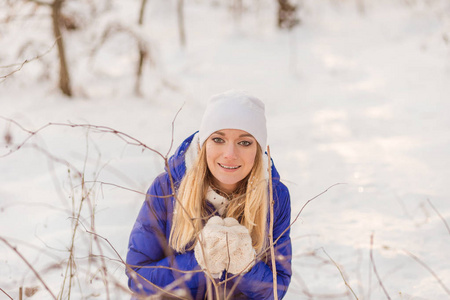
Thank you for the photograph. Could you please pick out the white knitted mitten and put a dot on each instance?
(241, 252)
(213, 239)
(226, 245)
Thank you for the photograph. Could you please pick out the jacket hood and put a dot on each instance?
(186, 154)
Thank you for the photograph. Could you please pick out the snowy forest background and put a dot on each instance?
(356, 92)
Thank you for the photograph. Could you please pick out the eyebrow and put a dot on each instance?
(242, 135)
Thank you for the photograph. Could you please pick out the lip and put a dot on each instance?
(228, 168)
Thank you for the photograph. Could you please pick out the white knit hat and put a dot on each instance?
(235, 110)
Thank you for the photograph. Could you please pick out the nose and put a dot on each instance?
(230, 151)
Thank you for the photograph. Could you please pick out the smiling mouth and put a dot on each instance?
(229, 167)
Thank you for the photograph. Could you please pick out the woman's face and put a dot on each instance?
(230, 155)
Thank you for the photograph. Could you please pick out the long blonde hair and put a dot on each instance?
(249, 204)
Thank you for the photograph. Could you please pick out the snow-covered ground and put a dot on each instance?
(351, 97)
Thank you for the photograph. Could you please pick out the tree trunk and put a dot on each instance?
(361, 7)
(181, 23)
(141, 12)
(64, 78)
(238, 7)
(287, 17)
(142, 53)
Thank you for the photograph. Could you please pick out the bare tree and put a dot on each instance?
(361, 6)
(142, 45)
(287, 14)
(142, 52)
(181, 30)
(237, 8)
(64, 77)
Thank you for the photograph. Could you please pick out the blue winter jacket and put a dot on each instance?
(150, 256)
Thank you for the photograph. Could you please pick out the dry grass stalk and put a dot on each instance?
(342, 274)
(272, 248)
(7, 295)
(444, 287)
(21, 65)
(375, 268)
(303, 207)
(440, 216)
(71, 265)
(36, 273)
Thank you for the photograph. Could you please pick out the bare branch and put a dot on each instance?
(6, 294)
(20, 65)
(124, 188)
(304, 205)
(105, 239)
(272, 249)
(340, 271)
(38, 2)
(29, 266)
(104, 129)
(446, 289)
(375, 268)
(284, 231)
(180, 15)
(135, 142)
(440, 216)
(141, 12)
(173, 130)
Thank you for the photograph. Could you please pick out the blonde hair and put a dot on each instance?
(249, 204)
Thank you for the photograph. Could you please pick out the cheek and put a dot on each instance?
(210, 155)
(250, 159)
(251, 162)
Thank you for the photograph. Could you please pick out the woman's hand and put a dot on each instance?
(211, 248)
(227, 245)
(241, 252)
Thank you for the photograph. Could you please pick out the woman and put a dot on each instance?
(213, 237)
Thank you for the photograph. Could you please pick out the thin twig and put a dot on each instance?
(292, 223)
(70, 269)
(304, 205)
(103, 238)
(446, 289)
(236, 282)
(31, 134)
(123, 188)
(440, 216)
(272, 249)
(165, 268)
(40, 2)
(228, 266)
(129, 267)
(71, 260)
(29, 266)
(375, 268)
(340, 271)
(104, 129)
(173, 130)
(103, 268)
(25, 62)
(210, 280)
(6, 294)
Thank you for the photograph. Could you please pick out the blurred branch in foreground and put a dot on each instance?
(21, 65)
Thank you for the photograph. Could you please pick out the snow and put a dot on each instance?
(355, 98)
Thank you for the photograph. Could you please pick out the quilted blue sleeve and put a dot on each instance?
(148, 252)
(258, 282)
